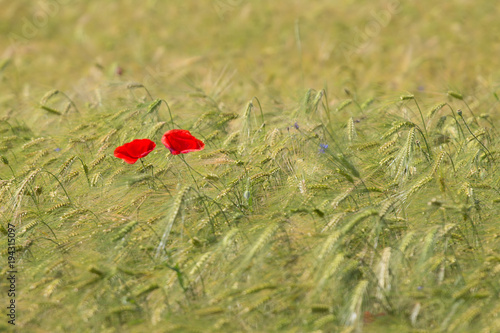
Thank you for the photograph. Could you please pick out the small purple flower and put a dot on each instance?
(322, 148)
(420, 288)
(296, 125)
(57, 149)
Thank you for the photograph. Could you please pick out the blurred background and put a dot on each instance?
(236, 49)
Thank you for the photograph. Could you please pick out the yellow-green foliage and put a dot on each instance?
(324, 200)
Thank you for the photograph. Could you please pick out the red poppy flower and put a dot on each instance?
(180, 141)
(132, 151)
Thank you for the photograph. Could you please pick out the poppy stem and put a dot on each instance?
(153, 177)
(199, 192)
(190, 168)
(153, 184)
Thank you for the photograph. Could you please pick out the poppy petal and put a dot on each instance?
(124, 156)
(132, 151)
(180, 141)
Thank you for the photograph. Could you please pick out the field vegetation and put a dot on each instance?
(349, 182)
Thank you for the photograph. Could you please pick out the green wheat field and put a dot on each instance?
(350, 179)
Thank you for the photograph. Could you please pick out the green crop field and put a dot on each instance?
(349, 181)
